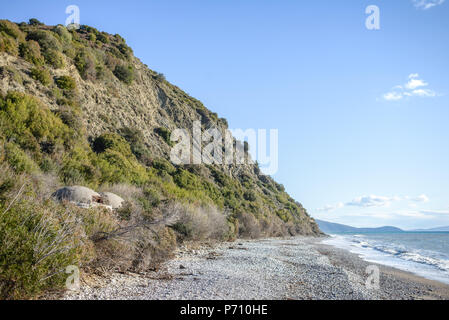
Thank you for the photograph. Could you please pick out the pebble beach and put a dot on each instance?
(297, 268)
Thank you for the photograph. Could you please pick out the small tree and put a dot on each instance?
(35, 22)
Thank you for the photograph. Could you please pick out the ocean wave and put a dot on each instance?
(421, 257)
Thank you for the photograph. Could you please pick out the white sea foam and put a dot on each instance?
(398, 252)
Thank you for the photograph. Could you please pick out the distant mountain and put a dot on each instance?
(439, 229)
(329, 227)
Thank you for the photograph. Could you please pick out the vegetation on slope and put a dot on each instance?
(44, 145)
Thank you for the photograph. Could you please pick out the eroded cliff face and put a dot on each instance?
(106, 103)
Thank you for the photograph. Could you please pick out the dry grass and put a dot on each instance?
(197, 223)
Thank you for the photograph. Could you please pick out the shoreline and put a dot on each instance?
(388, 275)
(299, 268)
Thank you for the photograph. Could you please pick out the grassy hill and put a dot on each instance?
(78, 108)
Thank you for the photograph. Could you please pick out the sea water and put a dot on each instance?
(423, 253)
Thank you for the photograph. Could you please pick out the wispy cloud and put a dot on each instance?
(398, 214)
(330, 208)
(372, 201)
(427, 4)
(375, 201)
(421, 198)
(414, 87)
(435, 212)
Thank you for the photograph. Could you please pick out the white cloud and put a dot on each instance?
(424, 93)
(414, 83)
(400, 214)
(427, 4)
(372, 201)
(412, 214)
(435, 212)
(393, 96)
(413, 87)
(421, 198)
(329, 207)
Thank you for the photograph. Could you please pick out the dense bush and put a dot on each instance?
(11, 29)
(37, 243)
(116, 160)
(71, 118)
(125, 50)
(18, 159)
(29, 123)
(63, 33)
(8, 44)
(39, 239)
(66, 83)
(42, 75)
(85, 63)
(31, 52)
(77, 168)
(35, 22)
(103, 37)
(124, 73)
(54, 58)
(250, 195)
(136, 139)
(45, 39)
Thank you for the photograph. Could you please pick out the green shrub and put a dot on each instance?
(45, 39)
(47, 165)
(186, 180)
(165, 134)
(8, 44)
(71, 118)
(85, 63)
(35, 22)
(77, 168)
(11, 29)
(92, 37)
(136, 139)
(31, 52)
(164, 165)
(42, 75)
(29, 123)
(63, 33)
(39, 240)
(126, 51)
(32, 261)
(124, 73)
(118, 168)
(19, 160)
(111, 141)
(66, 83)
(116, 161)
(54, 58)
(151, 198)
(103, 37)
(250, 195)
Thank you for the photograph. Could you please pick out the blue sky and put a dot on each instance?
(362, 114)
